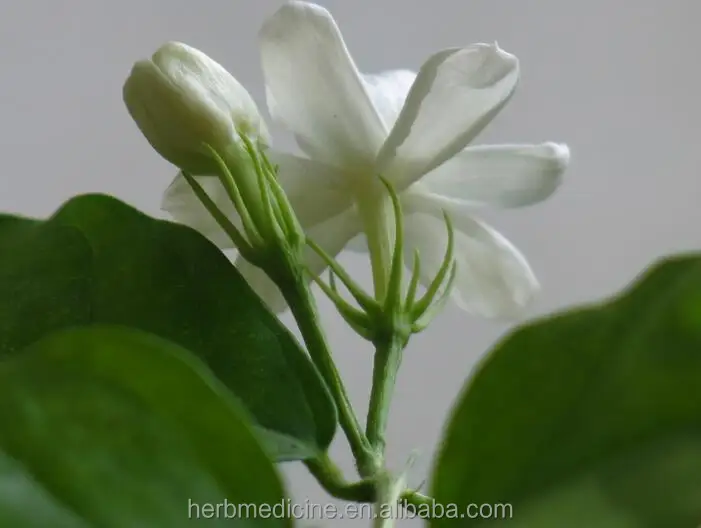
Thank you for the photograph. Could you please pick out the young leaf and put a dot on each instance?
(588, 418)
(99, 260)
(112, 427)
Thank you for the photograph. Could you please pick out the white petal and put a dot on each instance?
(493, 278)
(456, 94)
(314, 190)
(181, 203)
(500, 175)
(314, 87)
(388, 91)
(332, 236)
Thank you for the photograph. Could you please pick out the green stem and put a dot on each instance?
(333, 481)
(388, 356)
(416, 498)
(301, 302)
(420, 503)
(389, 491)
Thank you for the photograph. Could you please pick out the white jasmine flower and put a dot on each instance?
(413, 129)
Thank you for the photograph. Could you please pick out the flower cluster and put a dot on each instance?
(374, 146)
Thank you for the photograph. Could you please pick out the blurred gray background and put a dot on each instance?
(618, 80)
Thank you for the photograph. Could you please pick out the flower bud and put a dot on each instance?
(182, 100)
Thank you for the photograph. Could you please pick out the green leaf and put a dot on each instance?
(111, 427)
(591, 418)
(97, 260)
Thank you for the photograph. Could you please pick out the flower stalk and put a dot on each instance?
(301, 301)
(388, 357)
(390, 317)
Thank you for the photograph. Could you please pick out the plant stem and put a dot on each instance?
(333, 481)
(388, 356)
(422, 505)
(389, 491)
(301, 301)
(415, 498)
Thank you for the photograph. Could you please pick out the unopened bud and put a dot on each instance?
(182, 100)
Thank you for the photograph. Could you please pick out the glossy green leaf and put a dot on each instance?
(590, 418)
(99, 260)
(111, 427)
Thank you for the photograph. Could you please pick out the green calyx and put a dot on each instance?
(398, 312)
(268, 223)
